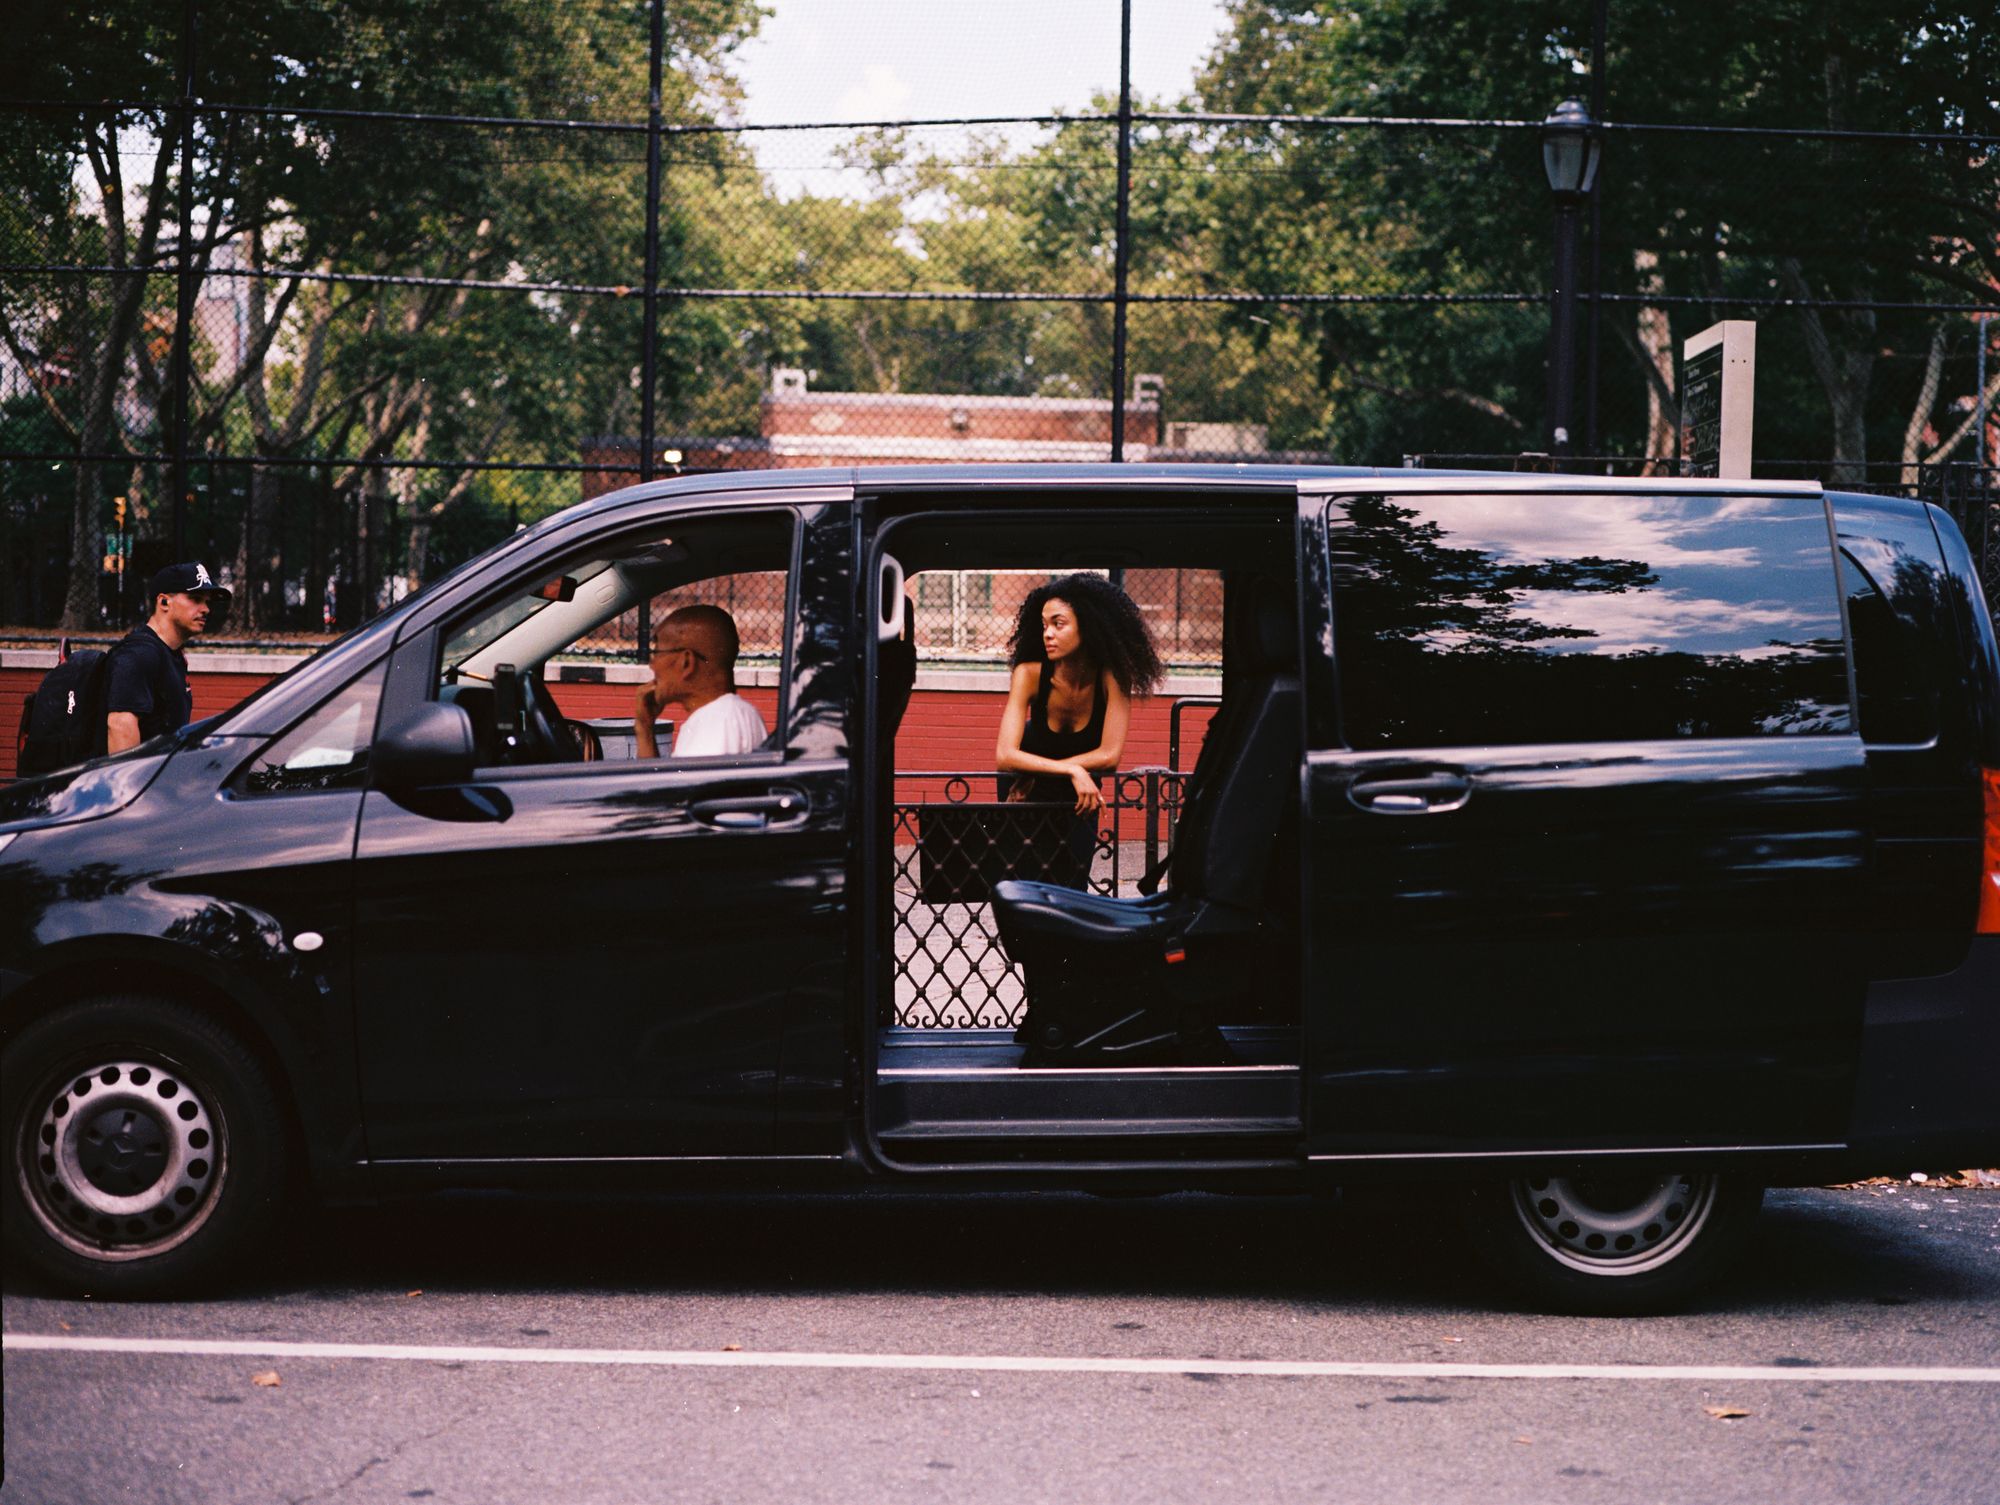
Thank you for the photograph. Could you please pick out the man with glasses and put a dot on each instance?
(694, 666)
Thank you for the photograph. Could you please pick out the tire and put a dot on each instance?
(1611, 1244)
(145, 1148)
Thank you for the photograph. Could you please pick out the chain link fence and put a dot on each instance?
(953, 841)
(971, 615)
(334, 297)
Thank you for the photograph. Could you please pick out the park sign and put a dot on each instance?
(1718, 400)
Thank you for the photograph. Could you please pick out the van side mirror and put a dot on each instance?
(430, 745)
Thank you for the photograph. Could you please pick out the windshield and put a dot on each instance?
(492, 625)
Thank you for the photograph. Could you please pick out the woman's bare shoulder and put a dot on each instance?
(1026, 676)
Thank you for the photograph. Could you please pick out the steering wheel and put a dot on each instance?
(552, 737)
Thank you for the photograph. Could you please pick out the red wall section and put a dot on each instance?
(601, 702)
(213, 693)
(943, 730)
(956, 729)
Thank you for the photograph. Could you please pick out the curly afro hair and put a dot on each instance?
(1114, 635)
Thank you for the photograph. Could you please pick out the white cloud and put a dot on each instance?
(1662, 533)
(881, 95)
(1662, 619)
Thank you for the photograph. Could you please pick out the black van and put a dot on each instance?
(1615, 849)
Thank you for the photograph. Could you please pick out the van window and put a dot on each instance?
(326, 750)
(1495, 620)
(564, 651)
(1895, 680)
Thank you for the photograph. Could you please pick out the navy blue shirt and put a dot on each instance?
(149, 680)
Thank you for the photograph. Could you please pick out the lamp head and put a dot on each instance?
(1570, 149)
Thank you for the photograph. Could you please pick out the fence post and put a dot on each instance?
(1122, 264)
(1152, 817)
(649, 340)
(182, 377)
(1982, 451)
(1593, 326)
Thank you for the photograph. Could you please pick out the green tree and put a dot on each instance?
(386, 370)
(1708, 218)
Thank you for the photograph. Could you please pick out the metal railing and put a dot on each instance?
(953, 839)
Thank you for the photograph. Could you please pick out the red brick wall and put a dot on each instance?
(213, 693)
(944, 729)
(956, 729)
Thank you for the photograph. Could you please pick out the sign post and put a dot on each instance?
(1718, 400)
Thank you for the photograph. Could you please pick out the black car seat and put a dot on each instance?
(1146, 980)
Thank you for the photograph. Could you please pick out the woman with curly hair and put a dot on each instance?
(1080, 652)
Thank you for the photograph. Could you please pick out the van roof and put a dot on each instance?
(1142, 474)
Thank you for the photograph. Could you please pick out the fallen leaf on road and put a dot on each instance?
(1526, 1442)
(65, 1326)
(408, 1294)
(1451, 1340)
(268, 1379)
(732, 1348)
(1725, 1413)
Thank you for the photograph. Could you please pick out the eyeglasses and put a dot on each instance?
(662, 652)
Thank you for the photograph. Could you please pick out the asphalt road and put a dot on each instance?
(1017, 1349)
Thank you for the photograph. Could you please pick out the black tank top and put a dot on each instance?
(1044, 741)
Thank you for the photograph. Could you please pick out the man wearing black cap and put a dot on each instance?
(148, 691)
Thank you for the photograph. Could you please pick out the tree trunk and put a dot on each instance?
(1844, 375)
(80, 596)
(258, 555)
(1920, 410)
(102, 372)
(1656, 348)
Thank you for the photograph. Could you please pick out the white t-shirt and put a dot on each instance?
(724, 726)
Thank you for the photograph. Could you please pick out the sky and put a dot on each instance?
(856, 60)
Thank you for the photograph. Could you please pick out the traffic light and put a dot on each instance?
(117, 545)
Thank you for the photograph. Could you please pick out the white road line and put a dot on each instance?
(670, 1358)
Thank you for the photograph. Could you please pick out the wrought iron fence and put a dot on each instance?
(953, 839)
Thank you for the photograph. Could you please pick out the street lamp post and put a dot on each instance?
(1569, 156)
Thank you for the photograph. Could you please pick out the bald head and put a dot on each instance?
(709, 630)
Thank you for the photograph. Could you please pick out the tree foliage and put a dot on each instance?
(1393, 232)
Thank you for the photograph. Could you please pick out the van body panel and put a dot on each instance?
(1607, 944)
(588, 962)
(1579, 943)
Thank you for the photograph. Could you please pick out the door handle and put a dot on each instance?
(1432, 793)
(756, 812)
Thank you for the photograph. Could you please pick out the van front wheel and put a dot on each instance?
(1613, 1244)
(145, 1147)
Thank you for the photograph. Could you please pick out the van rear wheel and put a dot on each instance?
(145, 1148)
(1613, 1244)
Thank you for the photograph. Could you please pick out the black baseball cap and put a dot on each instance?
(192, 578)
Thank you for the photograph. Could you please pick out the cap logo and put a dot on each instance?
(201, 580)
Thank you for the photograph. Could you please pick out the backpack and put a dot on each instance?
(63, 721)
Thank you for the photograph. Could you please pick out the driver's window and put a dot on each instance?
(669, 645)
